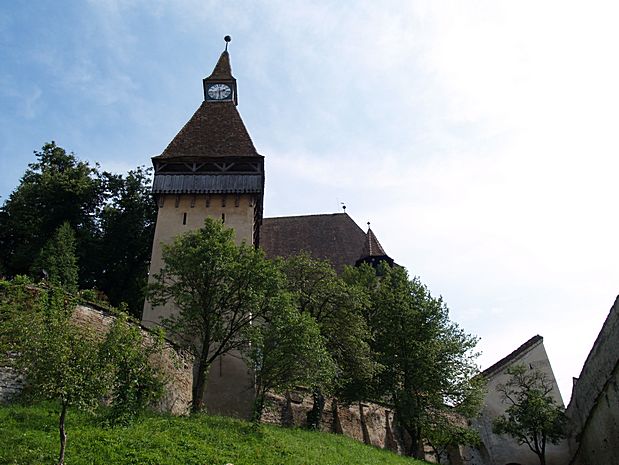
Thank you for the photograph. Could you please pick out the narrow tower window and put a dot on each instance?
(184, 218)
(223, 217)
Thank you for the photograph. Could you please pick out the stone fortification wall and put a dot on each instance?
(10, 383)
(177, 368)
(365, 422)
(594, 407)
(368, 423)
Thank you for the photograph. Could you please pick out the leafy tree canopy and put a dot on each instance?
(428, 361)
(57, 188)
(532, 417)
(337, 306)
(219, 289)
(58, 261)
(288, 351)
(112, 216)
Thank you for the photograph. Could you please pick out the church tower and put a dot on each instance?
(210, 169)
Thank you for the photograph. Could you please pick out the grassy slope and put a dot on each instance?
(29, 435)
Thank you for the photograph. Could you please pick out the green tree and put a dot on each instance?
(136, 381)
(127, 227)
(57, 259)
(445, 432)
(532, 417)
(72, 364)
(57, 188)
(219, 289)
(16, 300)
(428, 361)
(113, 217)
(337, 307)
(59, 359)
(288, 351)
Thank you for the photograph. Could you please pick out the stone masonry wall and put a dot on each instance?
(368, 423)
(365, 422)
(177, 368)
(594, 408)
(10, 383)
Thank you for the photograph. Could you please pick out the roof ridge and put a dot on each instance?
(512, 356)
(307, 215)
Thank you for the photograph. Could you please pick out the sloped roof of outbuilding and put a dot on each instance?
(502, 364)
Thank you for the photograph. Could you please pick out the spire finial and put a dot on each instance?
(343, 206)
(227, 39)
(368, 225)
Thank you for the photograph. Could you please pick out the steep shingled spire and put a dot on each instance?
(372, 247)
(213, 153)
(216, 129)
(373, 253)
(222, 70)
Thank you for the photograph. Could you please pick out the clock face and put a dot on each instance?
(219, 91)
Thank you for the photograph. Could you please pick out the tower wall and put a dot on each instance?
(176, 215)
(230, 383)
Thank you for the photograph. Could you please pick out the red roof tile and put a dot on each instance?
(372, 247)
(215, 130)
(334, 237)
(222, 70)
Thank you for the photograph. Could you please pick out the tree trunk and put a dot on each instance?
(542, 458)
(63, 434)
(197, 396)
(315, 414)
(258, 406)
(416, 448)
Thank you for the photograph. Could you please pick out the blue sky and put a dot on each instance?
(479, 138)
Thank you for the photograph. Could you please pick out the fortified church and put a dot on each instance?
(212, 169)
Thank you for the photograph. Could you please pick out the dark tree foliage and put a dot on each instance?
(112, 216)
(57, 188)
(337, 307)
(127, 227)
(287, 351)
(57, 260)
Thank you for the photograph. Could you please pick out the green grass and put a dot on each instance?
(29, 435)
